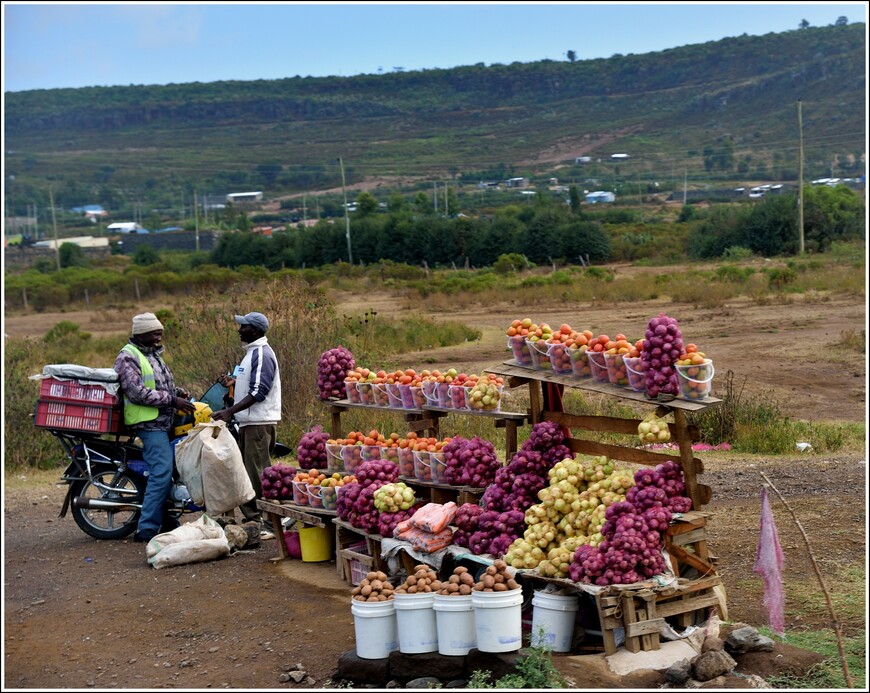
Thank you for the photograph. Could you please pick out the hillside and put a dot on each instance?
(716, 109)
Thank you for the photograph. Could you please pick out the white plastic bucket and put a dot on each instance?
(498, 620)
(696, 380)
(553, 621)
(375, 630)
(454, 620)
(415, 620)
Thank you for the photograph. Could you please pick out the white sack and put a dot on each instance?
(202, 528)
(224, 479)
(188, 454)
(195, 551)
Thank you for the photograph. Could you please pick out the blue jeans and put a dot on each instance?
(159, 457)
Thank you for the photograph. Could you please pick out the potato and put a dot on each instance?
(499, 587)
(488, 581)
(466, 579)
(411, 581)
(464, 589)
(366, 590)
(382, 576)
(512, 584)
(459, 570)
(377, 585)
(371, 576)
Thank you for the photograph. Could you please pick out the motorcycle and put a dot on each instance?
(107, 476)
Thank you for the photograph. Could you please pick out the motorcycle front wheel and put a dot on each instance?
(109, 484)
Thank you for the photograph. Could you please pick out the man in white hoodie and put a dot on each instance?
(256, 406)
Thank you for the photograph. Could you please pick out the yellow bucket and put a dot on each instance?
(316, 544)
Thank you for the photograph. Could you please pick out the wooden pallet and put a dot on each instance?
(642, 611)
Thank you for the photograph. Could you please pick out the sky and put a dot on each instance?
(54, 45)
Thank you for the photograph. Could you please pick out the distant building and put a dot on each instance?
(235, 198)
(125, 227)
(619, 157)
(583, 160)
(600, 196)
(517, 182)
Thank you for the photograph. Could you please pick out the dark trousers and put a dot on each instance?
(256, 443)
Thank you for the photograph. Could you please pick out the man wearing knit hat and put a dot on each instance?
(257, 406)
(150, 401)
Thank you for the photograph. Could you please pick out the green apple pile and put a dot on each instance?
(570, 514)
(393, 497)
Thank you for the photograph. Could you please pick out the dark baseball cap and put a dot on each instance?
(258, 320)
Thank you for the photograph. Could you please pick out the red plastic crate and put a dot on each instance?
(74, 391)
(78, 417)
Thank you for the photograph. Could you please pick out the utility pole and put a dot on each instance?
(685, 185)
(346, 213)
(196, 218)
(801, 179)
(435, 195)
(54, 223)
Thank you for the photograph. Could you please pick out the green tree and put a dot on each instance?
(145, 255)
(832, 214)
(72, 255)
(366, 204)
(575, 201)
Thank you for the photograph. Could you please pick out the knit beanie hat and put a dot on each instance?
(145, 322)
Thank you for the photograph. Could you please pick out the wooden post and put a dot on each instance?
(687, 461)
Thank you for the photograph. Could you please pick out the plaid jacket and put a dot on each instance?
(162, 397)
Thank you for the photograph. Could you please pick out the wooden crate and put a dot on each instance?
(355, 562)
(642, 611)
(686, 543)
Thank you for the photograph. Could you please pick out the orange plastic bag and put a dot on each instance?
(434, 517)
(421, 540)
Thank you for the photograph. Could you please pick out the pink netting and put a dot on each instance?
(769, 560)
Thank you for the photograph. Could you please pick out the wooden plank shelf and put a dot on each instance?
(517, 375)
(417, 419)
(275, 509)
(512, 369)
(444, 493)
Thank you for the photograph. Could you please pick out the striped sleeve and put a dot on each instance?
(263, 367)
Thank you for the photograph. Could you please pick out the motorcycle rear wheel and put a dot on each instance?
(108, 524)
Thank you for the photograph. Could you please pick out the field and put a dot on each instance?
(80, 613)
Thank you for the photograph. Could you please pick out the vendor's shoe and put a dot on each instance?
(142, 538)
(266, 535)
(169, 523)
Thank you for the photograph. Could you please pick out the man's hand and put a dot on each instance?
(223, 415)
(184, 405)
(226, 380)
(181, 392)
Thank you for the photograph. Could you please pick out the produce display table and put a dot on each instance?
(641, 608)
(442, 493)
(417, 419)
(517, 375)
(508, 420)
(313, 517)
(346, 535)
